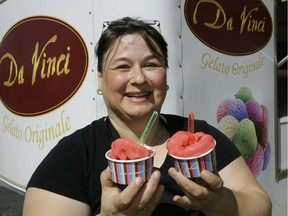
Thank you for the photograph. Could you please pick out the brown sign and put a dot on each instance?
(43, 62)
(238, 27)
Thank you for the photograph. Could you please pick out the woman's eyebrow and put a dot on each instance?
(119, 59)
(126, 59)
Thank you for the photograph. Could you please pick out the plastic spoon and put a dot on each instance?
(148, 128)
(191, 122)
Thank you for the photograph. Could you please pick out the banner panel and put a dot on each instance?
(47, 80)
(229, 73)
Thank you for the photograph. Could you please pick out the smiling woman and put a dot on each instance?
(134, 80)
(136, 68)
(74, 179)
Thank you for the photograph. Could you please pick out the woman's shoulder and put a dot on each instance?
(177, 123)
(89, 129)
(84, 136)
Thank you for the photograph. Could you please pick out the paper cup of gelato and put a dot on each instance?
(191, 159)
(192, 167)
(125, 171)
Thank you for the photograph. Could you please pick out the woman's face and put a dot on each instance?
(134, 79)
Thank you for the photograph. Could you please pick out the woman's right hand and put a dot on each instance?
(136, 199)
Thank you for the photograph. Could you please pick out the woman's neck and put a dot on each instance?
(133, 130)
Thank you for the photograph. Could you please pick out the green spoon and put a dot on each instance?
(148, 128)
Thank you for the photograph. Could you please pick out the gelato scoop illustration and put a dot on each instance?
(254, 110)
(192, 152)
(245, 138)
(244, 94)
(237, 109)
(262, 128)
(228, 126)
(245, 122)
(222, 109)
(255, 163)
(267, 155)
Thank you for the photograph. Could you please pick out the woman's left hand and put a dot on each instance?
(198, 197)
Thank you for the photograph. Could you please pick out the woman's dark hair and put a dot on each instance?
(127, 25)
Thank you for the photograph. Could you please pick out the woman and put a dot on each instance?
(74, 180)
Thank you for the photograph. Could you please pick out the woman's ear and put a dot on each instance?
(99, 78)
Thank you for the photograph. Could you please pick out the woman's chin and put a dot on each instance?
(139, 113)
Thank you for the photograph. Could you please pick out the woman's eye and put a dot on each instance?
(123, 67)
(151, 65)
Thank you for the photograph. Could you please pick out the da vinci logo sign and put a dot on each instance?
(238, 27)
(43, 62)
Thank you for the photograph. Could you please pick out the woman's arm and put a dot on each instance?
(250, 196)
(41, 202)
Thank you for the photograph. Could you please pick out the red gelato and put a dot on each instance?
(185, 144)
(125, 149)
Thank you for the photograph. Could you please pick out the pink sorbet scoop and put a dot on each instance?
(125, 149)
(186, 144)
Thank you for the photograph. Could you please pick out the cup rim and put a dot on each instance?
(153, 152)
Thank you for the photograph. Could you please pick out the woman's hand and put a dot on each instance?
(235, 193)
(198, 197)
(205, 197)
(136, 199)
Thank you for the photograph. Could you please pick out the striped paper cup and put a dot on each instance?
(192, 167)
(124, 171)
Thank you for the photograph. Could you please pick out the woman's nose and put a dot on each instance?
(137, 75)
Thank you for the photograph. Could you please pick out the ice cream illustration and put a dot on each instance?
(262, 128)
(245, 138)
(255, 163)
(254, 110)
(267, 155)
(192, 152)
(128, 159)
(222, 109)
(245, 122)
(244, 94)
(237, 109)
(228, 126)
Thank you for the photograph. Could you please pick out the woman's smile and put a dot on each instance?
(138, 96)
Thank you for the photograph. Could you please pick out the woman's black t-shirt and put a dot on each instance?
(73, 167)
